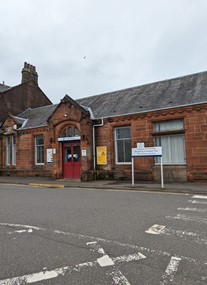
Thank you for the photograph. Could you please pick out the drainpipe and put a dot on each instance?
(94, 146)
(94, 140)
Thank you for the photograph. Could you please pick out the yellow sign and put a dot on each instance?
(101, 152)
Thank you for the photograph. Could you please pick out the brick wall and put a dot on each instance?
(195, 124)
(21, 97)
(195, 133)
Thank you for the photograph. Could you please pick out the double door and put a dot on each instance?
(71, 160)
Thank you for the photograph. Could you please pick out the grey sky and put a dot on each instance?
(88, 47)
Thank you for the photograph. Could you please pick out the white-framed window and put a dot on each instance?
(11, 150)
(170, 136)
(8, 150)
(39, 150)
(122, 137)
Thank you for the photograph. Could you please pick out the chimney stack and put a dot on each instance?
(29, 72)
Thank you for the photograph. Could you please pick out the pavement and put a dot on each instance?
(181, 187)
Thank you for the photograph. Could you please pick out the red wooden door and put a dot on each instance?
(71, 160)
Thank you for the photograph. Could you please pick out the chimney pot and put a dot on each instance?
(29, 73)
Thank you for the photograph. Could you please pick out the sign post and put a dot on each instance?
(147, 152)
(162, 181)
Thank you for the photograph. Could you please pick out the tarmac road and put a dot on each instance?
(78, 236)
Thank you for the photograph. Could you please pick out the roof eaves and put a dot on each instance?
(33, 127)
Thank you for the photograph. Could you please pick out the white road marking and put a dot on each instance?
(96, 247)
(118, 277)
(22, 226)
(155, 230)
(21, 231)
(170, 270)
(179, 233)
(103, 240)
(81, 236)
(130, 257)
(197, 202)
(105, 261)
(46, 275)
(188, 218)
(199, 197)
(192, 209)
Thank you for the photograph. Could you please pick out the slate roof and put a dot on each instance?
(181, 91)
(17, 119)
(37, 117)
(4, 87)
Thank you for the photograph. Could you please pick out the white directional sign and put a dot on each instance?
(147, 151)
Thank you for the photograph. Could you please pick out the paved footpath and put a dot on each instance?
(180, 187)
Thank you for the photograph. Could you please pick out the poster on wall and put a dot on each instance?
(49, 155)
(101, 153)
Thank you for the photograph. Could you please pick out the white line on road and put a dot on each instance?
(199, 197)
(197, 202)
(106, 261)
(103, 240)
(46, 275)
(21, 231)
(176, 233)
(118, 277)
(22, 226)
(192, 209)
(96, 247)
(170, 270)
(188, 218)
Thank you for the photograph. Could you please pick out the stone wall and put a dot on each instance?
(195, 133)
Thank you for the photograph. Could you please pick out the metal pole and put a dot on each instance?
(162, 180)
(132, 171)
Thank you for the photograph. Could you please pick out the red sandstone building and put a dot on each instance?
(93, 137)
(18, 98)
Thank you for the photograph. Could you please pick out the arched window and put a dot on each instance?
(76, 132)
(70, 131)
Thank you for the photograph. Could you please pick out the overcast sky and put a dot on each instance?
(89, 47)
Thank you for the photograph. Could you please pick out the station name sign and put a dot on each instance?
(66, 139)
(147, 152)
